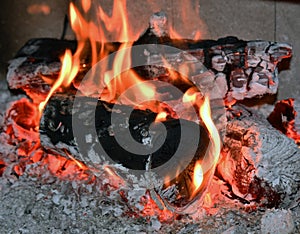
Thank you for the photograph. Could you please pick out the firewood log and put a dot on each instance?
(56, 132)
(227, 67)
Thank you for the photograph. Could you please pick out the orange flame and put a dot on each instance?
(207, 166)
(67, 74)
(93, 35)
(191, 96)
(198, 175)
(162, 116)
(189, 21)
(205, 115)
(86, 5)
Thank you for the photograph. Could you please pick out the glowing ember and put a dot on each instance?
(283, 119)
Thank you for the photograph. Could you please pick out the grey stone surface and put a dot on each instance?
(288, 30)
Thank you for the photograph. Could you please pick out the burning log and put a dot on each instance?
(180, 147)
(36, 66)
(56, 132)
(259, 163)
(182, 163)
(227, 67)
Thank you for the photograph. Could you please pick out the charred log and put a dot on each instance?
(56, 132)
(37, 59)
(228, 66)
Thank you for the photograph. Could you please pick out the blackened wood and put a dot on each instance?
(56, 132)
(228, 67)
(37, 64)
(46, 49)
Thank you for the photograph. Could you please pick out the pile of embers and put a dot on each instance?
(258, 164)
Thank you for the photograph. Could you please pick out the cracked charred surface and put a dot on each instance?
(227, 67)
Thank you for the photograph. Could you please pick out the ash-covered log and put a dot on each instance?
(259, 163)
(37, 65)
(228, 67)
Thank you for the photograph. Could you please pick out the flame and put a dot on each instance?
(207, 166)
(162, 116)
(89, 34)
(205, 115)
(198, 175)
(207, 201)
(86, 5)
(191, 96)
(67, 74)
(189, 21)
(92, 36)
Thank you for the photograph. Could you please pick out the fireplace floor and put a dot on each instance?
(29, 207)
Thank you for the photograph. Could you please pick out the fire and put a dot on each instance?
(191, 27)
(192, 95)
(67, 74)
(208, 200)
(198, 175)
(162, 116)
(205, 115)
(86, 5)
(117, 79)
(203, 170)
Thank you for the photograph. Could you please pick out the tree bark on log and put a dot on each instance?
(258, 162)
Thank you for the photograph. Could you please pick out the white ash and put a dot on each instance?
(6, 97)
(32, 207)
(277, 222)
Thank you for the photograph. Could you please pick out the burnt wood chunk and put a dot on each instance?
(226, 68)
(259, 163)
(56, 132)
